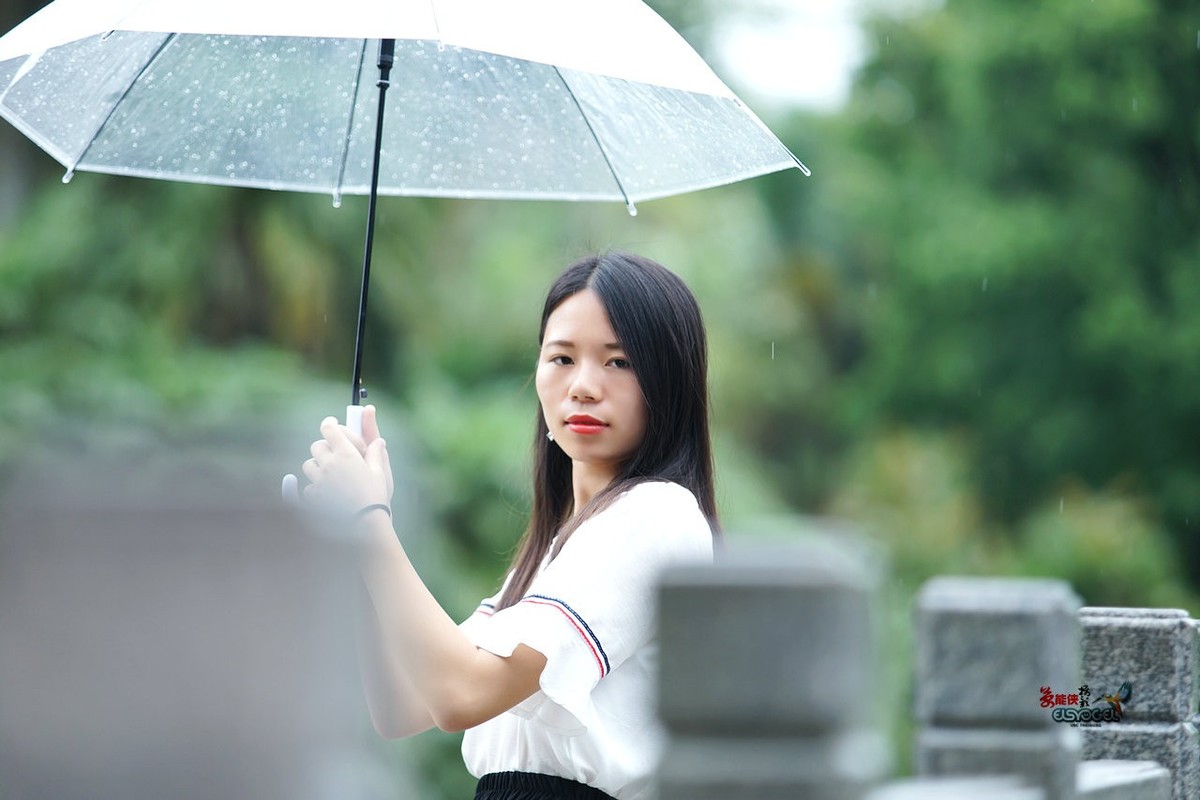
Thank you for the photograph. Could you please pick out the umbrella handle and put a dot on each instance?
(354, 415)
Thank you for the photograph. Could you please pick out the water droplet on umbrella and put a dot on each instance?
(67, 177)
(631, 208)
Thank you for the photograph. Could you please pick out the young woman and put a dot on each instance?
(552, 678)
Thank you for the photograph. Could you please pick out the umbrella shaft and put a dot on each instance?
(387, 51)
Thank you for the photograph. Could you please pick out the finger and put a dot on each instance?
(355, 440)
(337, 437)
(370, 425)
(377, 454)
(379, 463)
(387, 469)
(320, 450)
(311, 470)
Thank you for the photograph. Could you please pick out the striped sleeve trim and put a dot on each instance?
(487, 609)
(585, 631)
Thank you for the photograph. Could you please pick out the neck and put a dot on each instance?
(588, 480)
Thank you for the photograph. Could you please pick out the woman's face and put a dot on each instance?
(590, 396)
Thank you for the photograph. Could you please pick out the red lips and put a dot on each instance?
(585, 424)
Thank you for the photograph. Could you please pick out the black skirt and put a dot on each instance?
(530, 786)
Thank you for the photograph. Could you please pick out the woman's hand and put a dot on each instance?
(348, 472)
(370, 429)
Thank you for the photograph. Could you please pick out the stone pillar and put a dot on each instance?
(765, 677)
(985, 647)
(1154, 650)
(168, 630)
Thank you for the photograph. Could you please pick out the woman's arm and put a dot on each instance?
(396, 709)
(458, 684)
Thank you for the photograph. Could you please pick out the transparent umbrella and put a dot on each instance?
(524, 99)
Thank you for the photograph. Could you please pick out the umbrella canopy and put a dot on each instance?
(522, 99)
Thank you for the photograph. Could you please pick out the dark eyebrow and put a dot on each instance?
(565, 343)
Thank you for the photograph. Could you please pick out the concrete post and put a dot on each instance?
(765, 678)
(168, 630)
(985, 647)
(1154, 651)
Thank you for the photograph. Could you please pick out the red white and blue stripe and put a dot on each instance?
(580, 625)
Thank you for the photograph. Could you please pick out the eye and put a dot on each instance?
(620, 363)
(561, 361)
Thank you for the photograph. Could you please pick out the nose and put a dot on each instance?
(585, 382)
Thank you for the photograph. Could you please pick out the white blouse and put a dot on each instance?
(591, 612)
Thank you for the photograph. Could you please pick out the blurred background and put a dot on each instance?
(973, 332)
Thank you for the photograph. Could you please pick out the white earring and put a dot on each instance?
(550, 436)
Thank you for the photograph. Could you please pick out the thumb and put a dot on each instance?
(376, 455)
(370, 425)
(379, 461)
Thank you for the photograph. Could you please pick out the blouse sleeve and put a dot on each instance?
(592, 606)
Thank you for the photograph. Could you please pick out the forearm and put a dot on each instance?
(397, 710)
(459, 684)
(417, 644)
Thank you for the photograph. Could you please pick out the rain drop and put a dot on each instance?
(983, 288)
(1060, 505)
(1135, 104)
(772, 351)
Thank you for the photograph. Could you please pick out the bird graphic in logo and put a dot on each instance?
(1122, 695)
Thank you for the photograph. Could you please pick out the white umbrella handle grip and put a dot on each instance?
(354, 416)
(291, 484)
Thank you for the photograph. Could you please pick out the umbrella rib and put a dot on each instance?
(112, 110)
(337, 189)
(800, 164)
(600, 145)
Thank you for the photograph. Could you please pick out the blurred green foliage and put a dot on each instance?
(1021, 203)
(972, 332)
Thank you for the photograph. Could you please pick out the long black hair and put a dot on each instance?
(659, 326)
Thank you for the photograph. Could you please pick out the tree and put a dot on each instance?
(1018, 191)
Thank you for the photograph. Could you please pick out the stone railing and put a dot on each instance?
(1155, 651)
(768, 661)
